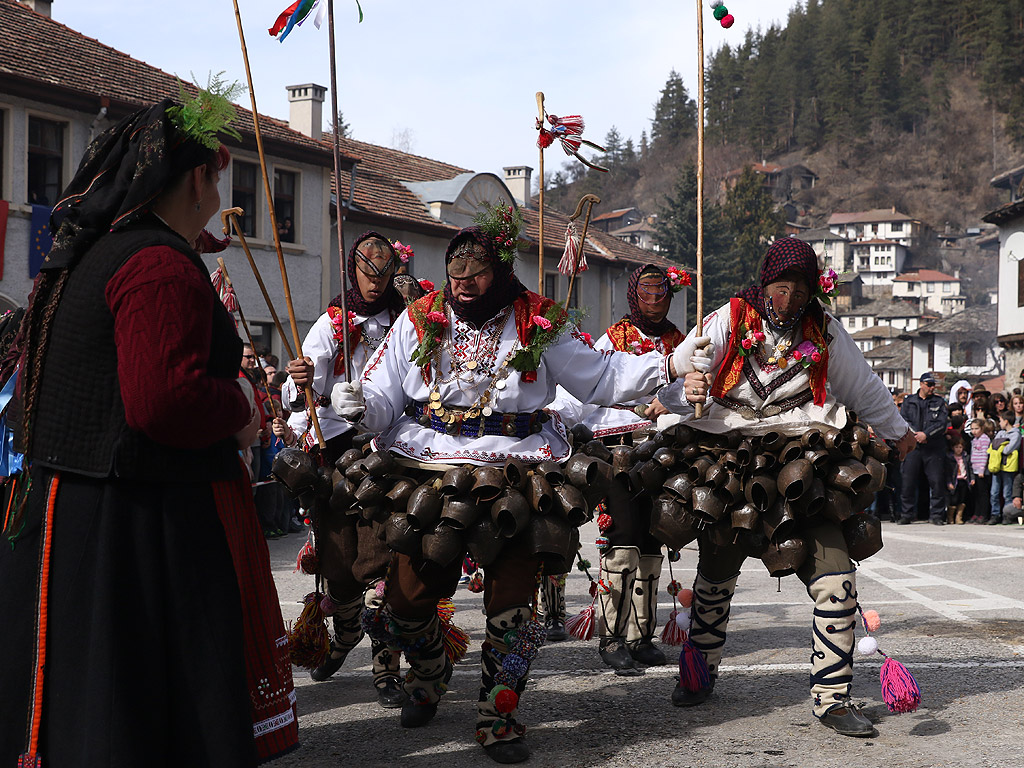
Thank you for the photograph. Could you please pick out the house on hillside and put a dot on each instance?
(1009, 218)
(875, 336)
(782, 181)
(642, 235)
(878, 261)
(59, 89)
(892, 364)
(937, 292)
(903, 315)
(878, 224)
(851, 293)
(833, 250)
(962, 345)
(608, 221)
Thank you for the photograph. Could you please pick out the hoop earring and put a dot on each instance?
(197, 205)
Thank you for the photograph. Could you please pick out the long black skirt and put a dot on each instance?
(143, 662)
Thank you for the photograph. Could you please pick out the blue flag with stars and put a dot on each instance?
(39, 239)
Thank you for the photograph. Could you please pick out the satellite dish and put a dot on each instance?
(1014, 247)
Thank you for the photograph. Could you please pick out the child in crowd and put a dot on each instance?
(961, 480)
(981, 438)
(1003, 463)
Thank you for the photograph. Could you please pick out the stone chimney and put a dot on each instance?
(517, 179)
(307, 109)
(39, 6)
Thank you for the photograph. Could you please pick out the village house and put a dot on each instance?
(781, 181)
(1009, 218)
(937, 292)
(960, 346)
(609, 221)
(878, 224)
(833, 250)
(892, 364)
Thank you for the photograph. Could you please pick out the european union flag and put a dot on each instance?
(39, 238)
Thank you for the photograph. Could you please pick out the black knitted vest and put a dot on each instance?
(80, 424)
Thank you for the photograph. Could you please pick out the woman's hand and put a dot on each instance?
(695, 384)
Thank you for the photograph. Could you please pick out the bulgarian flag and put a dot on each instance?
(297, 12)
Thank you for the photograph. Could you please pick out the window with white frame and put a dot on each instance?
(947, 287)
(930, 287)
(896, 226)
(45, 169)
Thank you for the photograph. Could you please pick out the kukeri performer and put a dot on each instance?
(631, 565)
(352, 557)
(779, 368)
(462, 379)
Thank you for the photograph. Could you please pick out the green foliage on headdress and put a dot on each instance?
(209, 112)
(502, 224)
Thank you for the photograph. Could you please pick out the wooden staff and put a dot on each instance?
(310, 400)
(248, 334)
(231, 215)
(590, 201)
(337, 187)
(540, 217)
(698, 408)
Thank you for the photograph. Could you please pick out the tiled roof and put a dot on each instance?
(616, 214)
(756, 168)
(80, 71)
(866, 217)
(925, 276)
(875, 332)
(399, 165)
(641, 226)
(979, 319)
(874, 242)
(1005, 213)
(894, 355)
(816, 235)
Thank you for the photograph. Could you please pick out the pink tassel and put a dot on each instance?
(899, 688)
(672, 634)
(693, 668)
(581, 626)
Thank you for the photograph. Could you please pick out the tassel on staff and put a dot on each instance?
(574, 260)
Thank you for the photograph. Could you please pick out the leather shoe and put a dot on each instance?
(993, 520)
(904, 521)
(556, 631)
(648, 654)
(616, 655)
(511, 751)
(391, 695)
(938, 521)
(416, 715)
(684, 698)
(847, 721)
(330, 665)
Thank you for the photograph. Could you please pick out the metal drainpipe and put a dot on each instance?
(95, 121)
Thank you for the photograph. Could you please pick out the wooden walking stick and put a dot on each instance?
(245, 327)
(698, 408)
(540, 203)
(590, 201)
(231, 215)
(310, 400)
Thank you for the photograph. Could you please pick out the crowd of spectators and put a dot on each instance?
(967, 466)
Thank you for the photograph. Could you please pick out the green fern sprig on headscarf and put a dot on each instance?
(209, 112)
(502, 224)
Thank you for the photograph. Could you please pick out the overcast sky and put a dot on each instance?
(454, 80)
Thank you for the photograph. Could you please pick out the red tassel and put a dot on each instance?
(445, 609)
(693, 668)
(307, 561)
(581, 626)
(899, 688)
(672, 634)
(308, 639)
(455, 642)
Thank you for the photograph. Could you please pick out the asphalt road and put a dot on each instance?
(952, 610)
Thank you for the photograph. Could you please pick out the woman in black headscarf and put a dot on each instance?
(123, 619)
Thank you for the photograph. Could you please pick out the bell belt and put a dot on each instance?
(766, 411)
(457, 421)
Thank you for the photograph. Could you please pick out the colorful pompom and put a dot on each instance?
(674, 555)
(867, 645)
(328, 606)
(714, 3)
(673, 587)
(380, 588)
(476, 583)
(308, 639)
(683, 618)
(603, 587)
(685, 597)
(506, 701)
(604, 522)
(455, 641)
(601, 542)
(899, 688)
(593, 588)
(872, 622)
(583, 564)
(581, 626)
(721, 12)
(673, 634)
(727, 21)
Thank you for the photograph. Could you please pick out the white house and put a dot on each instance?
(877, 224)
(833, 250)
(1010, 313)
(938, 293)
(877, 261)
(900, 314)
(961, 345)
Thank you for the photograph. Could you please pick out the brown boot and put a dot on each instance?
(960, 514)
(950, 514)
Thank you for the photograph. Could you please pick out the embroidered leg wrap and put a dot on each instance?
(835, 614)
(428, 665)
(645, 601)
(348, 630)
(618, 570)
(552, 597)
(709, 618)
(386, 659)
(491, 724)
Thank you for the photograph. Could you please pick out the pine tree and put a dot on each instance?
(882, 78)
(675, 114)
(676, 225)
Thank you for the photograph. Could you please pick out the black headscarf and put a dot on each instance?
(787, 254)
(354, 301)
(636, 317)
(504, 289)
(123, 171)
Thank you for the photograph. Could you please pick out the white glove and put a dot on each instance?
(701, 358)
(347, 400)
(683, 354)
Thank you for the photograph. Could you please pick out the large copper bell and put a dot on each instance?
(488, 483)
(551, 537)
(424, 508)
(730, 460)
(772, 440)
(699, 468)
(652, 475)
(848, 475)
(744, 453)
(397, 499)
(666, 457)
(862, 501)
(733, 488)
(369, 492)
(401, 536)
(879, 449)
(457, 480)
(515, 473)
(746, 517)
(376, 514)
(812, 501)
(762, 490)
(794, 478)
(598, 450)
(680, 488)
(786, 557)
(720, 534)
(863, 534)
(540, 494)
(859, 434)
(342, 499)
(716, 476)
(819, 459)
(680, 434)
(644, 451)
(811, 439)
(581, 434)
(778, 520)
(708, 504)
(690, 452)
(790, 452)
(838, 506)
(752, 543)
(379, 464)
(551, 472)
(623, 459)
(324, 485)
(295, 469)
(356, 472)
(764, 461)
(836, 443)
(483, 542)
(571, 504)
(348, 458)
(510, 513)
(587, 472)
(443, 544)
(671, 524)
(876, 469)
(460, 512)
